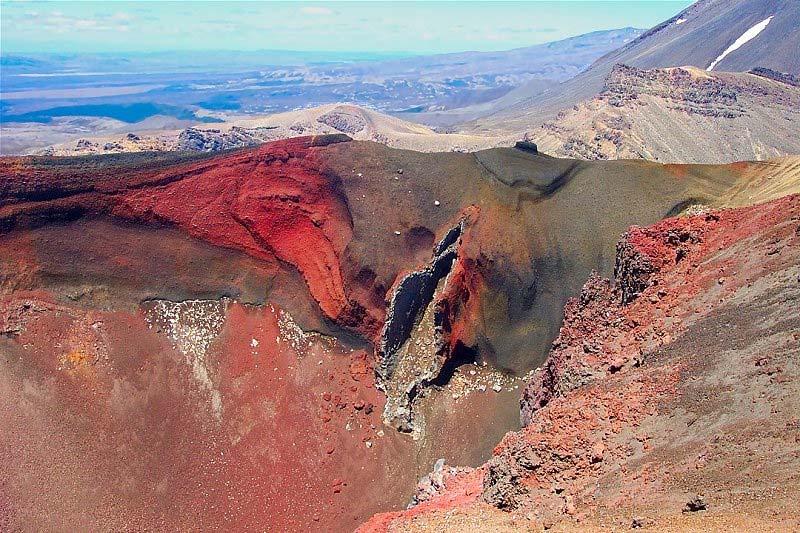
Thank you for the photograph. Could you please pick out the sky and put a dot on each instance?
(383, 27)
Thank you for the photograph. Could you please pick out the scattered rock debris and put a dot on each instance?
(698, 503)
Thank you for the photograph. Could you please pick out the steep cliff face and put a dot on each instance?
(655, 386)
(274, 203)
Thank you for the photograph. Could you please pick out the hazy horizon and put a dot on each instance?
(351, 28)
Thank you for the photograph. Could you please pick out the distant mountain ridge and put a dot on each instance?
(556, 60)
(357, 122)
(248, 85)
(697, 36)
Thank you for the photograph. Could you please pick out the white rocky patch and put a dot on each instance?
(680, 21)
(746, 37)
(291, 333)
(192, 326)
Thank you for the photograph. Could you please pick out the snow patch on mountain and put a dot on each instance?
(744, 38)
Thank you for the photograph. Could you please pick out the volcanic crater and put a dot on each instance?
(245, 340)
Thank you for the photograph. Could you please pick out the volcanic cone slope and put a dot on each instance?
(197, 335)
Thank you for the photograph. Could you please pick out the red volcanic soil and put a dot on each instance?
(274, 202)
(117, 415)
(679, 378)
(114, 425)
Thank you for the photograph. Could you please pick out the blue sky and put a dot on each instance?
(415, 27)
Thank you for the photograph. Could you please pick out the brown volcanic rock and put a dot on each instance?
(340, 120)
(648, 351)
(679, 115)
(643, 405)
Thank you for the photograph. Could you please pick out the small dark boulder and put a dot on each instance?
(695, 504)
(527, 146)
(638, 522)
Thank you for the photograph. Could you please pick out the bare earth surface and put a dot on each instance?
(333, 319)
(670, 398)
(694, 37)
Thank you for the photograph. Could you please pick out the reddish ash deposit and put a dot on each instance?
(458, 306)
(292, 443)
(584, 408)
(274, 202)
(463, 488)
